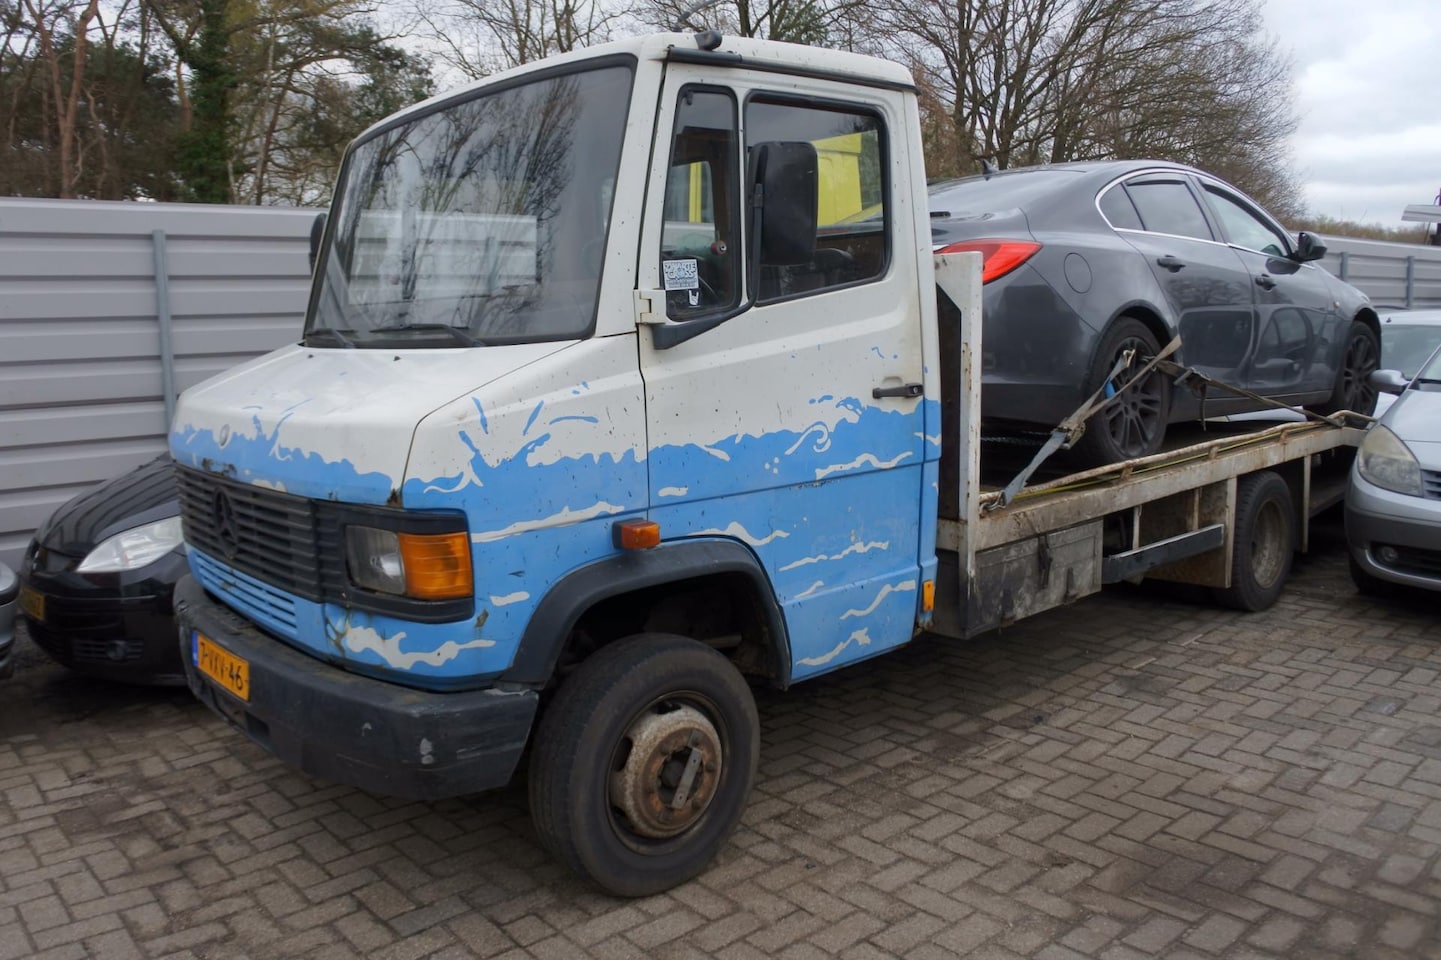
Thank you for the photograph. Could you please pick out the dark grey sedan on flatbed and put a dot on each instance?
(1087, 260)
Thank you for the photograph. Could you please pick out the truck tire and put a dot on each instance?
(1135, 424)
(1262, 543)
(1359, 359)
(643, 763)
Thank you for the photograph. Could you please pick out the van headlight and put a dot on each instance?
(1388, 463)
(417, 565)
(133, 548)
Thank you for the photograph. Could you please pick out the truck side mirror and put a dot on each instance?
(317, 230)
(784, 176)
(1308, 248)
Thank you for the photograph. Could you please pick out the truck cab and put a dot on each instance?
(618, 389)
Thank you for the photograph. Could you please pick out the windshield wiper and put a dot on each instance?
(455, 333)
(333, 333)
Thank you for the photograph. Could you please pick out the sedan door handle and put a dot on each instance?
(905, 390)
(1266, 282)
(1170, 263)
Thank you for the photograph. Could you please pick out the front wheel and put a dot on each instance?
(644, 762)
(1262, 543)
(1352, 389)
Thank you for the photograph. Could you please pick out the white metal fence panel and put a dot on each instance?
(83, 314)
(84, 365)
(1391, 274)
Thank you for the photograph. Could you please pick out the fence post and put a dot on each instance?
(1410, 282)
(162, 315)
(1345, 266)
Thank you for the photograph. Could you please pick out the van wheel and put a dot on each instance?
(643, 763)
(1262, 543)
(1134, 424)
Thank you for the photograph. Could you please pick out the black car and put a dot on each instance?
(1086, 260)
(96, 581)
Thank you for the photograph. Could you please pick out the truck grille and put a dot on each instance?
(271, 536)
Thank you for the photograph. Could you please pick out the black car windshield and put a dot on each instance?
(480, 222)
(999, 191)
(1405, 346)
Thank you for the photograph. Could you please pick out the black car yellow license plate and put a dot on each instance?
(222, 666)
(33, 604)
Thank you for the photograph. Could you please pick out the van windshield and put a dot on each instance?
(480, 222)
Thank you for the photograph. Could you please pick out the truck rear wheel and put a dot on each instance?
(643, 763)
(1262, 543)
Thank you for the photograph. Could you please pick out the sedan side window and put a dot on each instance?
(1168, 206)
(1242, 227)
(1119, 211)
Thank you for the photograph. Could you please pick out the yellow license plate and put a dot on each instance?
(33, 604)
(225, 668)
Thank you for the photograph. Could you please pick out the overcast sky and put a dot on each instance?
(1367, 75)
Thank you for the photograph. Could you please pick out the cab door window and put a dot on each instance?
(700, 239)
(853, 223)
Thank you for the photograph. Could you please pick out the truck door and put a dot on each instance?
(766, 427)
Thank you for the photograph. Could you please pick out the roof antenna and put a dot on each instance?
(704, 38)
(988, 168)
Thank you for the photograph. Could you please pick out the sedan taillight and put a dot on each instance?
(1001, 256)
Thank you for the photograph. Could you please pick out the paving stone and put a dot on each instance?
(1134, 776)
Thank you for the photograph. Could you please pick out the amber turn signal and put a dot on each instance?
(637, 534)
(437, 566)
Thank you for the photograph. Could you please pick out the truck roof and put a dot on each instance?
(793, 57)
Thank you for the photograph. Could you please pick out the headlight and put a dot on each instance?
(1388, 463)
(133, 548)
(423, 566)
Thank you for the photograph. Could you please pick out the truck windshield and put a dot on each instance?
(480, 222)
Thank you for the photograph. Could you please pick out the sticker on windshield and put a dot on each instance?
(681, 274)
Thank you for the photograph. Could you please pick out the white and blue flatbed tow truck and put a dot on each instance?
(629, 379)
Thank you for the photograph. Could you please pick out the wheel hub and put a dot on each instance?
(669, 776)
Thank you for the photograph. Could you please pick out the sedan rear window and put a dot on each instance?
(999, 191)
(1168, 206)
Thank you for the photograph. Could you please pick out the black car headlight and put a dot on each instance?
(133, 548)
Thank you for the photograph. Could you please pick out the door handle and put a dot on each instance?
(1265, 282)
(905, 390)
(1170, 263)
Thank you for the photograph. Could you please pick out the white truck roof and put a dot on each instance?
(772, 53)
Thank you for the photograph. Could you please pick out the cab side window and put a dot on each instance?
(853, 222)
(700, 240)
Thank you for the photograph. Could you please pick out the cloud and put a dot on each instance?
(1366, 145)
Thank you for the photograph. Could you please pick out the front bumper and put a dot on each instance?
(1411, 526)
(357, 730)
(112, 626)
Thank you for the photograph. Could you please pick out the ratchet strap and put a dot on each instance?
(1069, 430)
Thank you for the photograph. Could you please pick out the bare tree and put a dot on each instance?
(52, 22)
(479, 37)
(1046, 81)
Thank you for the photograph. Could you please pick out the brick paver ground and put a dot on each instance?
(1137, 776)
